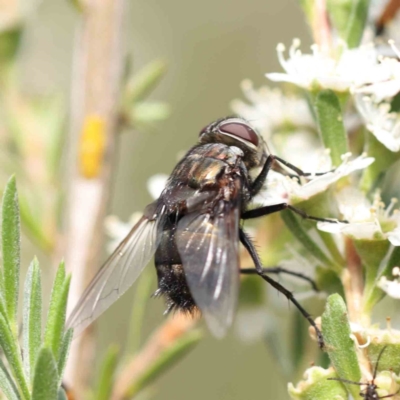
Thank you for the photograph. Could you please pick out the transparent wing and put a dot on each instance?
(118, 273)
(208, 242)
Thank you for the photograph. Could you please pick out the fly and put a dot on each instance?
(193, 231)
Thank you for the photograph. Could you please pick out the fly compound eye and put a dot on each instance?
(241, 131)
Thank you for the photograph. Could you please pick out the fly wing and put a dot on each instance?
(207, 241)
(119, 272)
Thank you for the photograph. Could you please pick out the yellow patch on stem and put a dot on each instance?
(92, 146)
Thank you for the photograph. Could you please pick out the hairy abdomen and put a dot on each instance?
(171, 277)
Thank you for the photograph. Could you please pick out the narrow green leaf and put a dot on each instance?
(294, 223)
(149, 111)
(340, 13)
(45, 381)
(56, 317)
(145, 81)
(330, 125)
(12, 353)
(32, 320)
(376, 294)
(106, 377)
(384, 159)
(357, 21)
(64, 351)
(339, 346)
(371, 252)
(166, 359)
(11, 250)
(7, 385)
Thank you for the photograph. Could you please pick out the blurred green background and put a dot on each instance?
(210, 47)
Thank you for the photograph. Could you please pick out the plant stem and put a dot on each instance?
(95, 94)
(353, 282)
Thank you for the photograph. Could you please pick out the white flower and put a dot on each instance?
(117, 229)
(392, 288)
(270, 110)
(282, 188)
(274, 115)
(384, 83)
(156, 184)
(366, 221)
(382, 123)
(321, 70)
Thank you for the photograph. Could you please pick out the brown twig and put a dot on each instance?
(164, 337)
(91, 153)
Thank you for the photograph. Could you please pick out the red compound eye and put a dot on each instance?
(240, 130)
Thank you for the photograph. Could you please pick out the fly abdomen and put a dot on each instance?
(171, 277)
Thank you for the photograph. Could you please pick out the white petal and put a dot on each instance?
(156, 184)
(392, 288)
(394, 236)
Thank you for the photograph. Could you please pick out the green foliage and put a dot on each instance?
(106, 376)
(330, 124)
(33, 373)
(10, 241)
(32, 320)
(338, 344)
(136, 109)
(296, 226)
(45, 382)
(54, 333)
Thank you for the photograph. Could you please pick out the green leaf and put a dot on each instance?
(106, 377)
(338, 344)
(330, 124)
(318, 387)
(149, 111)
(376, 294)
(371, 252)
(7, 385)
(349, 18)
(45, 381)
(54, 333)
(12, 353)
(32, 320)
(357, 21)
(166, 359)
(294, 223)
(11, 250)
(145, 81)
(340, 13)
(64, 351)
(384, 158)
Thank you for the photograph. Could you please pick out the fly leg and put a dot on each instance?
(280, 270)
(262, 176)
(265, 210)
(299, 171)
(289, 295)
